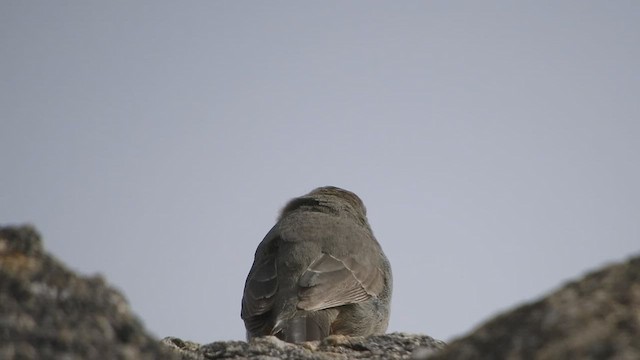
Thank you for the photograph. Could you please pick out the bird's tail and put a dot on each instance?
(308, 326)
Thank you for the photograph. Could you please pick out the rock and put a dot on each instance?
(49, 312)
(597, 317)
(389, 346)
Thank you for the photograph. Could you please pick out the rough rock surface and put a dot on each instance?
(48, 312)
(389, 346)
(597, 317)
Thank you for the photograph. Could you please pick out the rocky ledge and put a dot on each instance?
(389, 346)
(49, 312)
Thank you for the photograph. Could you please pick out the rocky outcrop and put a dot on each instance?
(49, 312)
(597, 317)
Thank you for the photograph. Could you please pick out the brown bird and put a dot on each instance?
(318, 272)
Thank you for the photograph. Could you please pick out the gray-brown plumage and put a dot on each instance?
(318, 272)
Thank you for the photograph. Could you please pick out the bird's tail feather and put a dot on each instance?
(306, 327)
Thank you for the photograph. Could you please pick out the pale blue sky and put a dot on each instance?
(496, 146)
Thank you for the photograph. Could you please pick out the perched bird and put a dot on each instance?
(318, 272)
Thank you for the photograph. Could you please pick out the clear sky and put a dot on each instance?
(496, 146)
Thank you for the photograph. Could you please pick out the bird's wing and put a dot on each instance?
(261, 287)
(331, 281)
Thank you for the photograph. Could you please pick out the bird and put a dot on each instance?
(318, 272)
